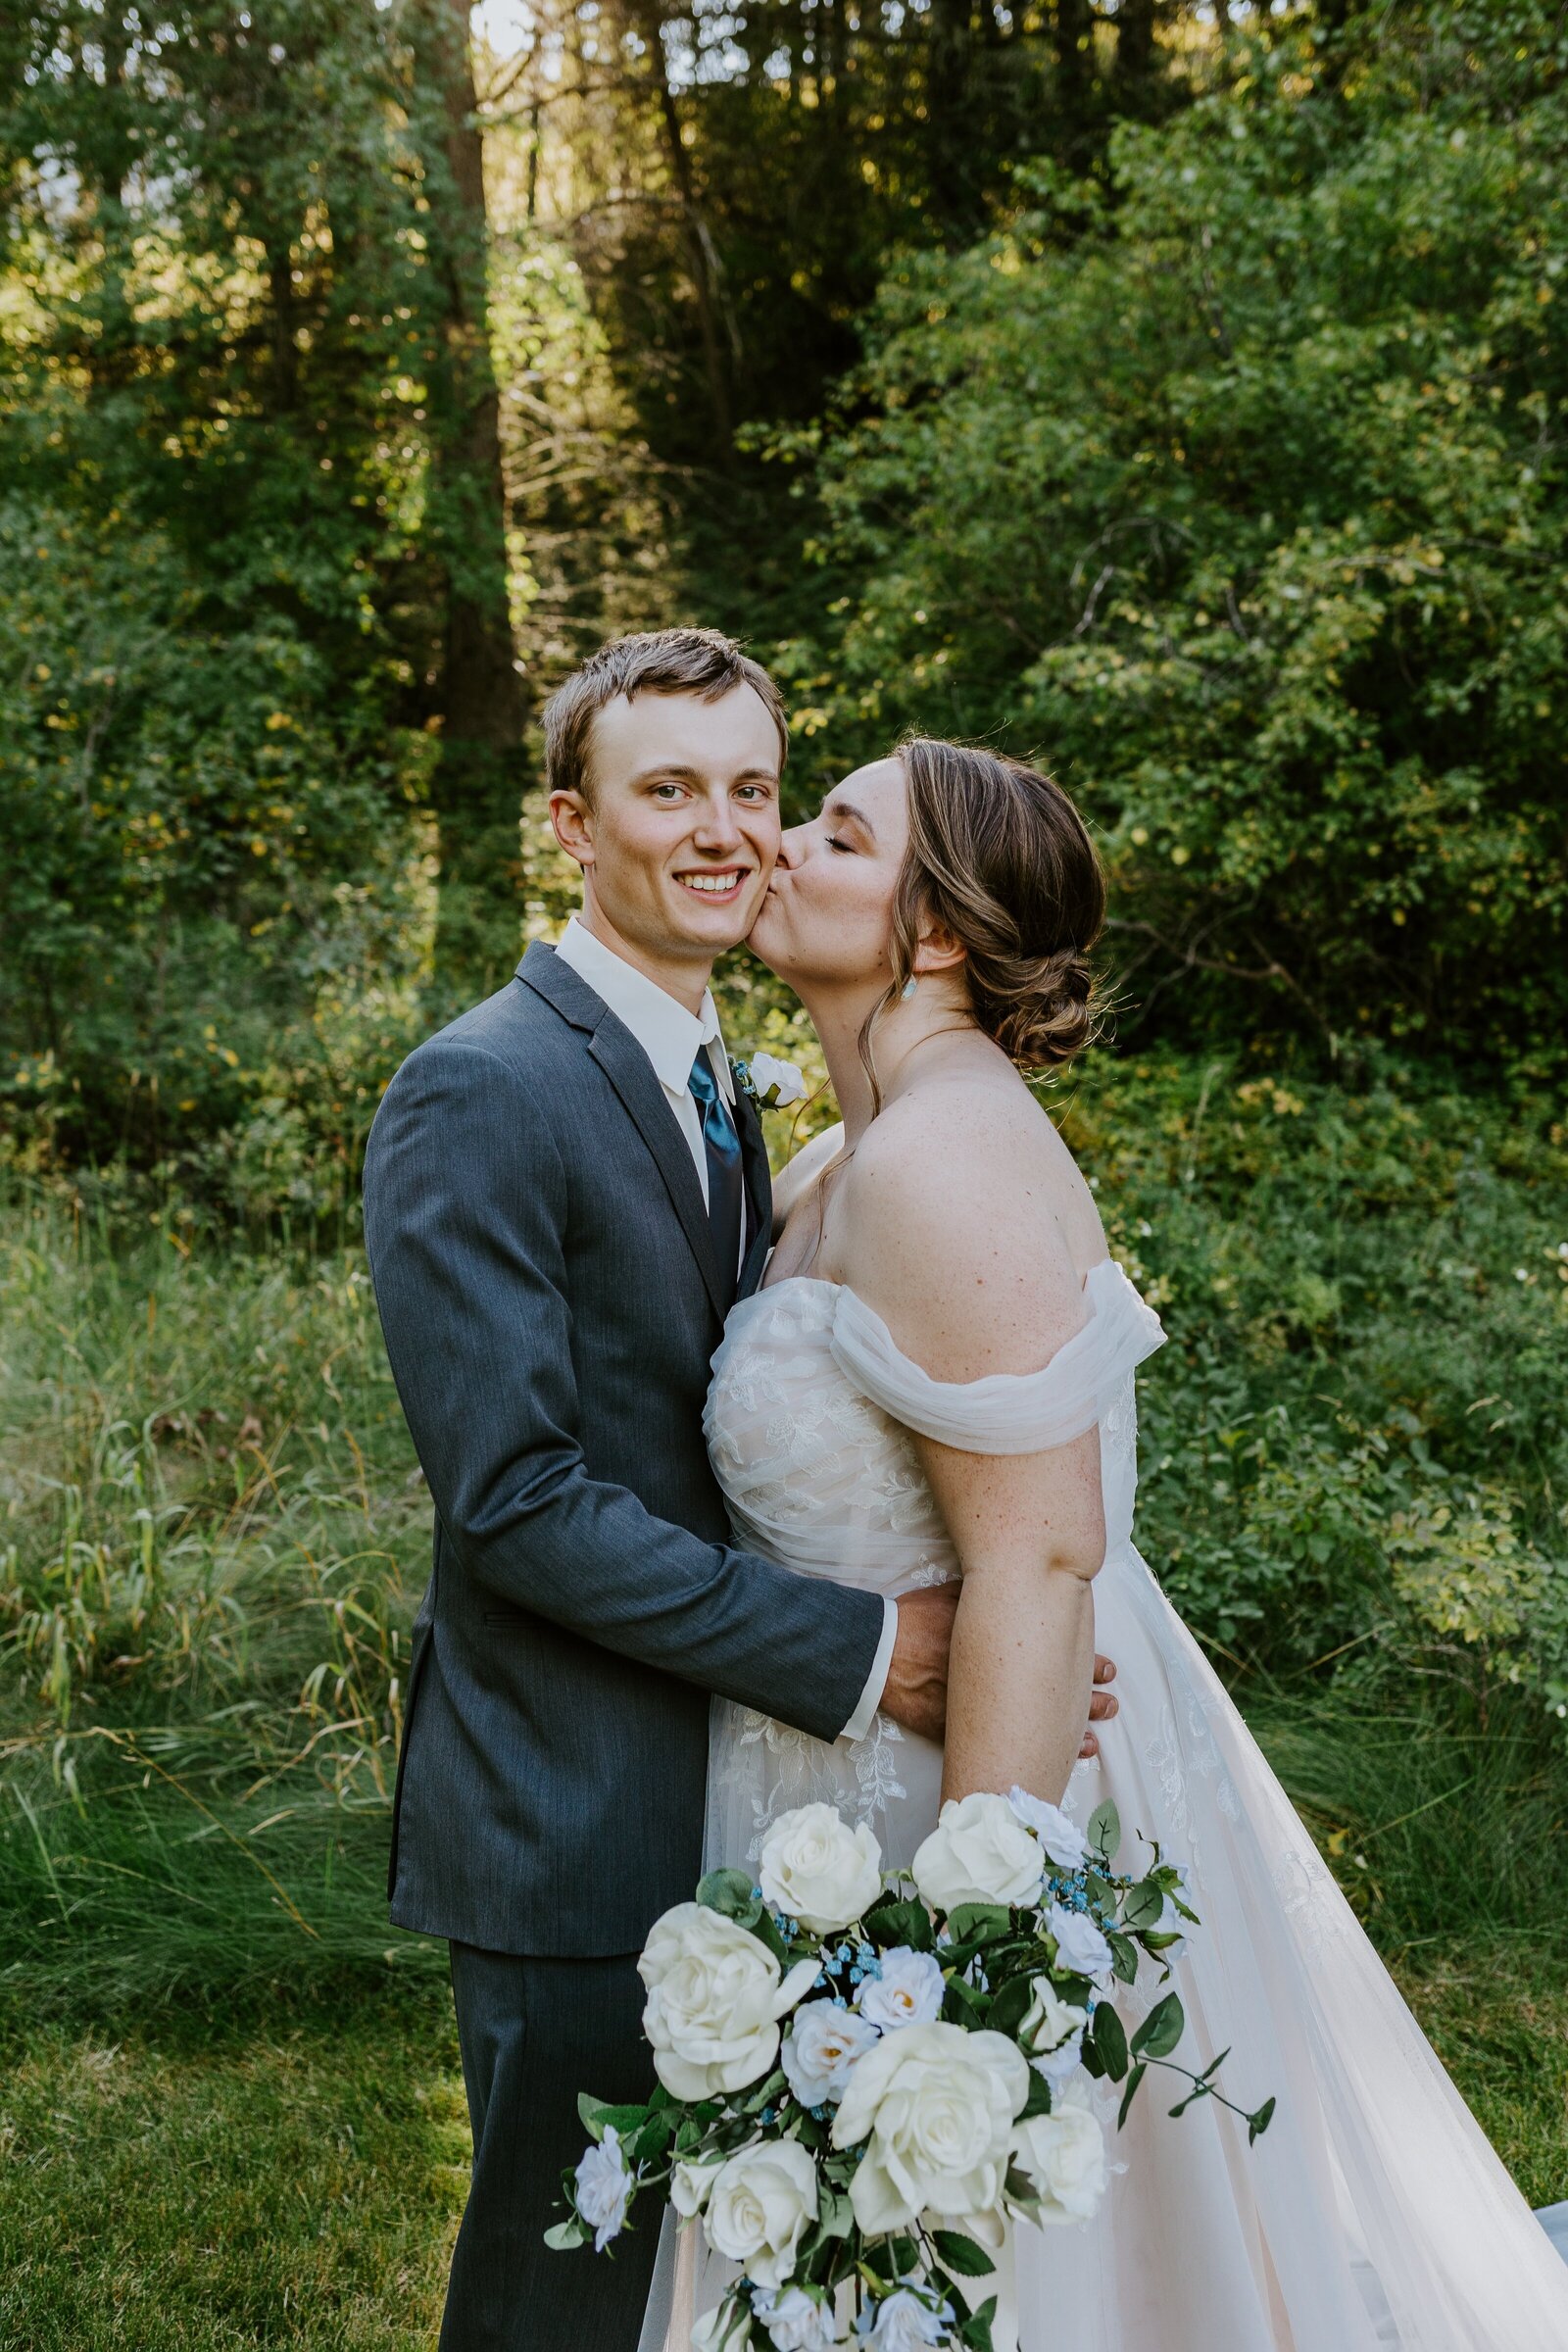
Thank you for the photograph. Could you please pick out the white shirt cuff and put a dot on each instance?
(860, 1721)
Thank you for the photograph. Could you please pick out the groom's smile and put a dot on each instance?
(726, 885)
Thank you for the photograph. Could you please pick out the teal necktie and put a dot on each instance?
(727, 1182)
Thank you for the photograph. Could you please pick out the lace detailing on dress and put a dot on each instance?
(779, 1768)
(814, 1474)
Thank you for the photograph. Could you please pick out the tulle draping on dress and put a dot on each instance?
(1374, 2213)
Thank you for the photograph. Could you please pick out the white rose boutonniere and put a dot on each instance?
(979, 1853)
(820, 1871)
(760, 2206)
(773, 1085)
(715, 1995)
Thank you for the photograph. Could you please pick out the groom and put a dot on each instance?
(563, 1195)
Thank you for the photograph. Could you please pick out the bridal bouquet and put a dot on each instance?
(861, 2079)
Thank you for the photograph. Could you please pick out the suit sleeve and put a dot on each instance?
(466, 1204)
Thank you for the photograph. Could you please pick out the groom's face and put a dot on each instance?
(679, 828)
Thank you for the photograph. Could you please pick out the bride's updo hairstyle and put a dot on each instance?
(998, 855)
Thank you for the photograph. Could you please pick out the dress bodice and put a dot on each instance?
(812, 1409)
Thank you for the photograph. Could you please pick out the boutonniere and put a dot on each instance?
(772, 1085)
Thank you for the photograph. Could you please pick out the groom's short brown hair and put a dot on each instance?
(700, 662)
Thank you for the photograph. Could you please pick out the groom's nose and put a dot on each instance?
(716, 827)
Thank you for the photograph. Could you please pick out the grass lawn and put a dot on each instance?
(285, 2182)
(299, 2183)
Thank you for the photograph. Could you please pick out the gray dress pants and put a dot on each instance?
(534, 2035)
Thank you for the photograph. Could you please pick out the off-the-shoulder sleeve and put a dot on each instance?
(1006, 1412)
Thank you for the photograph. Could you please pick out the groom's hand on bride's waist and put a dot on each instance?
(916, 1693)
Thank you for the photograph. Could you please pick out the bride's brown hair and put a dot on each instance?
(1000, 856)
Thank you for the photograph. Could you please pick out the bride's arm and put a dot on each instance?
(957, 1247)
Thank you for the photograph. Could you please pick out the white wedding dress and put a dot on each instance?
(1373, 2213)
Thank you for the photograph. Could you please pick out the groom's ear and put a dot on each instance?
(572, 818)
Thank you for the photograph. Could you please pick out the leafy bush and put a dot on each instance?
(193, 847)
(1354, 1451)
(1241, 498)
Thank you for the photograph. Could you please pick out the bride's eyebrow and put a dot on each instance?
(845, 811)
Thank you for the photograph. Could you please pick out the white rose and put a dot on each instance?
(715, 2000)
(767, 1073)
(760, 2206)
(604, 2190)
(935, 2106)
(820, 2048)
(1081, 1949)
(726, 2329)
(908, 1992)
(1061, 1839)
(820, 1871)
(904, 2323)
(795, 2322)
(1064, 2155)
(690, 2182)
(1050, 2023)
(978, 1853)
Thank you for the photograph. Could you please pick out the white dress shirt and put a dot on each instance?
(672, 1038)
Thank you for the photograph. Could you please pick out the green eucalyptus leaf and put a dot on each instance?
(1104, 1830)
(1144, 1905)
(963, 2254)
(1162, 2030)
(1127, 2095)
(978, 1922)
(1111, 2040)
(729, 1891)
(893, 1922)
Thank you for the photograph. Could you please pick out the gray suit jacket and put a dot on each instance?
(551, 1297)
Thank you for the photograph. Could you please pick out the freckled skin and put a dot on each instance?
(961, 1218)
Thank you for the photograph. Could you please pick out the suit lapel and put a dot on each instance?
(631, 1074)
(759, 1187)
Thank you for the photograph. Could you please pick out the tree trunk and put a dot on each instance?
(702, 258)
(956, 197)
(477, 695)
(1075, 72)
(1135, 52)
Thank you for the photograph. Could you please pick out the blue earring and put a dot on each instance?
(908, 988)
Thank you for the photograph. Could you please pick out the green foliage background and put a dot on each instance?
(1190, 415)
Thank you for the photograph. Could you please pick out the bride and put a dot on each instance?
(937, 1379)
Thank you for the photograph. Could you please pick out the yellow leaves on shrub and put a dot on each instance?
(1464, 1567)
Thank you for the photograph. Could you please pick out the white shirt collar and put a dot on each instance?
(669, 1035)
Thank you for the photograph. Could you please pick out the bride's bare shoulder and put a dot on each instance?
(967, 1226)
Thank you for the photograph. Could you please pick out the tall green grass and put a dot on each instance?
(211, 1540)
(1355, 1487)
